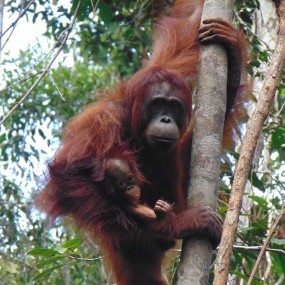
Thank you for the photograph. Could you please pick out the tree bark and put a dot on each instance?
(254, 129)
(206, 147)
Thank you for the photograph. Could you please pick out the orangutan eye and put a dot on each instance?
(122, 184)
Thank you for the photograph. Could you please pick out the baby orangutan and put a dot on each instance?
(122, 185)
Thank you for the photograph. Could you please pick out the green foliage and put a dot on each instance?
(278, 139)
(256, 182)
(101, 50)
(48, 261)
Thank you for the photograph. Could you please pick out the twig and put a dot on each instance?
(253, 33)
(276, 117)
(94, 7)
(259, 248)
(56, 86)
(280, 280)
(245, 247)
(263, 249)
(280, 110)
(84, 259)
(8, 38)
(13, 25)
(27, 77)
(46, 70)
(2, 3)
(19, 17)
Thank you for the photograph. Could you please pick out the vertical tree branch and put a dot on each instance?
(254, 129)
(2, 3)
(264, 247)
(206, 147)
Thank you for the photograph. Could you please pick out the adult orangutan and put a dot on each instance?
(121, 165)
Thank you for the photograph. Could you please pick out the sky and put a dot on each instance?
(25, 35)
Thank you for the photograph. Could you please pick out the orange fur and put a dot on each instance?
(111, 128)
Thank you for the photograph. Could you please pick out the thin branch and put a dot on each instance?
(46, 70)
(259, 248)
(2, 3)
(94, 7)
(254, 129)
(280, 111)
(56, 86)
(252, 33)
(84, 259)
(27, 77)
(245, 247)
(280, 280)
(19, 17)
(263, 249)
(92, 4)
(276, 117)
(8, 38)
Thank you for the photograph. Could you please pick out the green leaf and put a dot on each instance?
(50, 260)
(235, 155)
(106, 13)
(282, 262)
(240, 275)
(2, 138)
(277, 141)
(42, 252)
(61, 249)
(278, 241)
(72, 244)
(259, 200)
(246, 229)
(47, 272)
(256, 182)
(84, 11)
(42, 134)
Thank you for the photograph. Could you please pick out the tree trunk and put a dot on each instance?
(206, 147)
